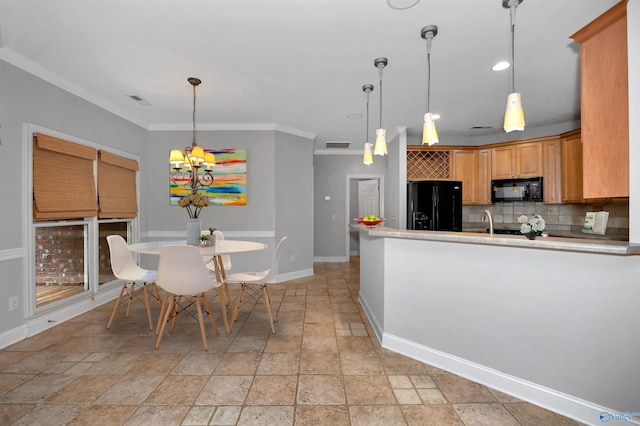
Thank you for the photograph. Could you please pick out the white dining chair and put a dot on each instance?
(125, 268)
(261, 279)
(185, 279)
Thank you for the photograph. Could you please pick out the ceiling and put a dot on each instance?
(302, 63)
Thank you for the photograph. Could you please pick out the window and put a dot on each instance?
(81, 194)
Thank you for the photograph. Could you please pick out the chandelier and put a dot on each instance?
(193, 162)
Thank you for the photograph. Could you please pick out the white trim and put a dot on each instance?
(294, 275)
(11, 254)
(274, 127)
(333, 259)
(12, 336)
(49, 76)
(180, 235)
(558, 402)
(373, 320)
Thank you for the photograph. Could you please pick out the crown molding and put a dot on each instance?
(274, 127)
(49, 76)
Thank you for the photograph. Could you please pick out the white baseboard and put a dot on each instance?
(331, 259)
(45, 321)
(294, 275)
(566, 405)
(373, 320)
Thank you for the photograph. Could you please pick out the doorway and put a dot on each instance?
(365, 196)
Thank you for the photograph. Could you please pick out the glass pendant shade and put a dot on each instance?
(514, 115)
(367, 158)
(380, 147)
(429, 133)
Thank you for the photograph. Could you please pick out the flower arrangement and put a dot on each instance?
(531, 227)
(194, 204)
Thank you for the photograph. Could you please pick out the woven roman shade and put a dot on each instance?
(117, 186)
(63, 180)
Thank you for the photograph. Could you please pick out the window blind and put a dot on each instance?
(116, 186)
(63, 179)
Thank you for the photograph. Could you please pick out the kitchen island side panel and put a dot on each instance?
(558, 319)
(371, 294)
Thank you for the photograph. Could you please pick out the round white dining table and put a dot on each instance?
(222, 247)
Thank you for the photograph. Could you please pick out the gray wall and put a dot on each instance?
(330, 217)
(28, 99)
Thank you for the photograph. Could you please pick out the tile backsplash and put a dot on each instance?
(556, 216)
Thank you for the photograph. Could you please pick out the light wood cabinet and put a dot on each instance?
(604, 104)
(465, 169)
(484, 176)
(572, 179)
(552, 171)
(517, 161)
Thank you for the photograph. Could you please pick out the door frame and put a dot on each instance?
(349, 220)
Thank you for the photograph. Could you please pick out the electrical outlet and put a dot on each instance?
(293, 258)
(13, 303)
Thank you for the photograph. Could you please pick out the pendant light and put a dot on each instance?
(380, 147)
(514, 115)
(429, 133)
(367, 159)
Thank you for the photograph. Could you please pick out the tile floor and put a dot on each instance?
(324, 366)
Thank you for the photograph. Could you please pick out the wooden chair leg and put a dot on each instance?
(115, 308)
(175, 314)
(166, 319)
(223, 307)
(155, 288)
(203, 333)
(273, 310)
(146, 302)
(205, 302)
(267, 302)
(163, 306)
(234, 316)
(132, 292)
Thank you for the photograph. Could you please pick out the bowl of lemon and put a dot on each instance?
(370, 221)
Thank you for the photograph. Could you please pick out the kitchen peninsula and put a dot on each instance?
(544, 320)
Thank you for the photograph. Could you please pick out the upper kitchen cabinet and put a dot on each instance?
(465, 169)
(572, 179)
(604, 104)
(484, 176)
(519, 160)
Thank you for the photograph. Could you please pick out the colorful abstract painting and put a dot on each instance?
(229, 180)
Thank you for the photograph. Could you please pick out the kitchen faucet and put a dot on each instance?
(487, 215)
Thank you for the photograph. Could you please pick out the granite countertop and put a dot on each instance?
(589, 245)
(613, 234)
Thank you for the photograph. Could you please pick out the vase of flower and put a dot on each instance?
(193, 232)
(531, 227)
(531, 235)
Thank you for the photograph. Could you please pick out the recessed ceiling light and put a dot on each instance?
(354, 116)
(481, 127)
(338, 144)
(502, 65)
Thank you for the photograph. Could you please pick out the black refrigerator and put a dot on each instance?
(434, 205)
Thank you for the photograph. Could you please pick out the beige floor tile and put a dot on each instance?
(225, 390)
(84, 389)
(321, 389)
(313, 415)
(376, 415)
(154, 415)
(38, 389)
(283, 343)
(458, 390)
(407, 396)
(431, 396)
(104, 414)
(319, 344)
(130, 390)
(177, 390)
(360, 364)
(10, 381)
(226, 415)
(368, 390)
(355, 344)
(272, 390)
(485, 415)
(266, 416)
(279, 363)
(238, 364)
(117, 363)
(156, 364)
(50, 415)
(199, 415)
(247, 344)
(9, 413)
(35, 362)
(320, 363)
(531, 415)
(319, 329)
(197, 364)
(420, 415)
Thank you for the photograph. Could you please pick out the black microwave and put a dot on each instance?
(516, 190)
